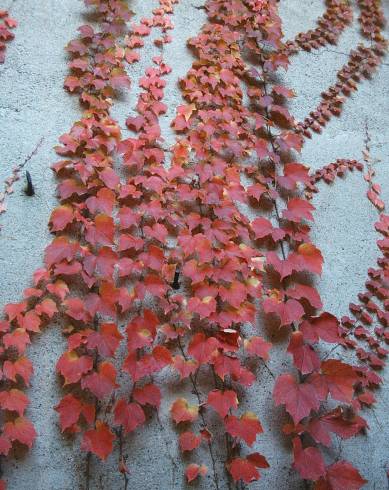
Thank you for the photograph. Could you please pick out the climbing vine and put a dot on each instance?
(7, 24)
(163, 257)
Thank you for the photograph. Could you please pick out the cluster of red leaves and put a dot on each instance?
(294, 302)
(371, 320)
(329, 173)
(6, 23)
(22, 320)
(122, 237)
(88, 191)
(362, 64)
(372, 19)
(145, 223)
(219, 131)
(218, 263)
(171, 249)
(337, 17)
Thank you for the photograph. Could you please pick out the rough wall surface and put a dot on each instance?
(33, 105)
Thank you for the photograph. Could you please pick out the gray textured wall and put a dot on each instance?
(33, 104)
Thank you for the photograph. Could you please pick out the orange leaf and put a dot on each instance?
(246, 427)
(61, 217)
(183, 412)
(194, 470)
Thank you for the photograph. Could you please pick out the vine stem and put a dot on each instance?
(122, 460)
(87, 470)
(195, 388)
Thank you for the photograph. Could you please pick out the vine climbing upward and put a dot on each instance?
(181, 266)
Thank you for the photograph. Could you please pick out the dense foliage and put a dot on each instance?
(157, 239)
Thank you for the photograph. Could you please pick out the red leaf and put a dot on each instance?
(202, 348)
(301, 291)
(340, 378)
(261, 147)
(293, 173)
(222, 401)
(60, 249)
(30, 321)
(106, 340)
(298, 398)
(290, 141)
(18, 339)
(298, 209)
(342, 422)
(102, 232)
(189, 441)
(149, 394)
(102, 383)
(308, 462)
(99, 441)
(13, 310)
(194, 470)
(304, 357)
(128, 415)
(258, 346)
(341, 476)
(325, 327)
(69, 409)
(235, 294)
(61, 217)
(14, 400)
(256, 191)
(246, 427)
(204, 307)
(307, 258)
(110, 178)
(46, 307)
(262, 228)
(21, 430)
(288, 311)
(148, 364)
(283, 267)
(72, 367)
(185, 367)
(58, 288)
(245, 469)
(21, 367)
(5, 446)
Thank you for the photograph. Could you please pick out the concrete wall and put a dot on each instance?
(33, 105)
